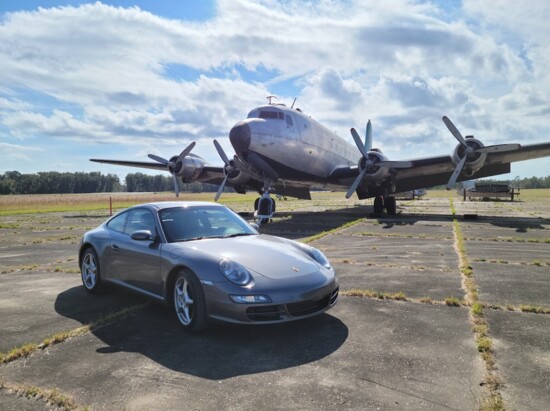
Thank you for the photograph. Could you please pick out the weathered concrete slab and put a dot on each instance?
(14, 402)
(415, 283)
(43, 253)
(513, 283)
(513, 252)
(363, 354)
(30, 303)
(522, 344)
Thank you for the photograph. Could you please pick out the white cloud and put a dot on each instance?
(401, 63)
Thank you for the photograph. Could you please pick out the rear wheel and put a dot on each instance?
(189, 302)
(90, 272)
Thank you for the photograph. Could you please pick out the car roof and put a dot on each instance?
(173, 204)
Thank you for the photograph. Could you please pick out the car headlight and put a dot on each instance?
(316, 254)
(320, 258)
(235, 272)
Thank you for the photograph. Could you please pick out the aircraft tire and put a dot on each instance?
(391, 205)
(378, 206)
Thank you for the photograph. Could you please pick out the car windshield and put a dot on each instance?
(199, 222)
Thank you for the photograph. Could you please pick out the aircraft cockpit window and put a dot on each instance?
(288, 120)
(253, 114)
(276, 115)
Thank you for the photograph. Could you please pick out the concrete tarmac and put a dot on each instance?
(365, 353)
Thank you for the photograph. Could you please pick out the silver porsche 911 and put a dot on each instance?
(209, 264)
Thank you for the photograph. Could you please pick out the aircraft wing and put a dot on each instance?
(209, 174)
(433, 171)
(139, 164)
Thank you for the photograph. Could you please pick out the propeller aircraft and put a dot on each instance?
(280, 150)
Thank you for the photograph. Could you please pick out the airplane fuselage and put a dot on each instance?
(294, 146)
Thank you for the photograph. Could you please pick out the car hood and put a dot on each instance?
(269, 256)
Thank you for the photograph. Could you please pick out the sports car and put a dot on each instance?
(207, 263)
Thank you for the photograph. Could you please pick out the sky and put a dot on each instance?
(121, 79)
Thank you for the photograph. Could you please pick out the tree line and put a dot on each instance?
(53, 182)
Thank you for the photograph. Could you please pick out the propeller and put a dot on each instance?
(368, 159)
(471, 151)
(228, 168)
(171, 165)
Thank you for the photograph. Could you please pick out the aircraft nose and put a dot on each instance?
(240, 136)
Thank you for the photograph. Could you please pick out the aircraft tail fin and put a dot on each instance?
(368, 136)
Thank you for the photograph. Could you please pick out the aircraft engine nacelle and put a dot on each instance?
(188, 169)
(236, 176)
(374, 172)
(474, 161)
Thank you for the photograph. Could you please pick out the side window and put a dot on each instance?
(140, 219)
(288, 120)
(118, 222)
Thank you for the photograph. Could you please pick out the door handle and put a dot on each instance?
(115, 247)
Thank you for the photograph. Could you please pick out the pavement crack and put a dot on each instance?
(480, 327)
(25, 350)
(51, 396)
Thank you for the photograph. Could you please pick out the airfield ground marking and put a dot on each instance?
(480, 327)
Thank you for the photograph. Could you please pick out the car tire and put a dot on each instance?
(90, 272)
(189, 302)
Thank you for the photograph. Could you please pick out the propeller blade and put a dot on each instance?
(176, 185)
(157, 158)
(186, 151)
(454, 131)
(220, 190)
(455, 174)
(394, 164)
(355, 184)
(221, 152)
(359, 143)
(368, 136)
(498, 148)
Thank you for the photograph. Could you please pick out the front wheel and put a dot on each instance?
(189, 302)
(90, 272)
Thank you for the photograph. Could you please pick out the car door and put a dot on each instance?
(138, 261)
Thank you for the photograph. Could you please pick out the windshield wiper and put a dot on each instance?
(182, 240)
(236, 235)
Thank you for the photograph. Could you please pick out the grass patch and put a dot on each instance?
(52, 397)
(452, 302)
(325, 233)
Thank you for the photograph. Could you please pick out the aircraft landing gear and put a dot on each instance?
(389, 203)
(264, 208)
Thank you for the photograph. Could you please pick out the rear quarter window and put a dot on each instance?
(118, 222)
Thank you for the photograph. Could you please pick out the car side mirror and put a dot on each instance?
(143, 235)
(255, 226)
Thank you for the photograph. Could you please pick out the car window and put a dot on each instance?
(140, 219)
(118, 222)
(181, 224)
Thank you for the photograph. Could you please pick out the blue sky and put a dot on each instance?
(122, 79)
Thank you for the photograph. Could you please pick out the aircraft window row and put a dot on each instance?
(277, 115)
(288, 120)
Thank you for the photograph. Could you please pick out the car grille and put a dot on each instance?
(301, 309)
